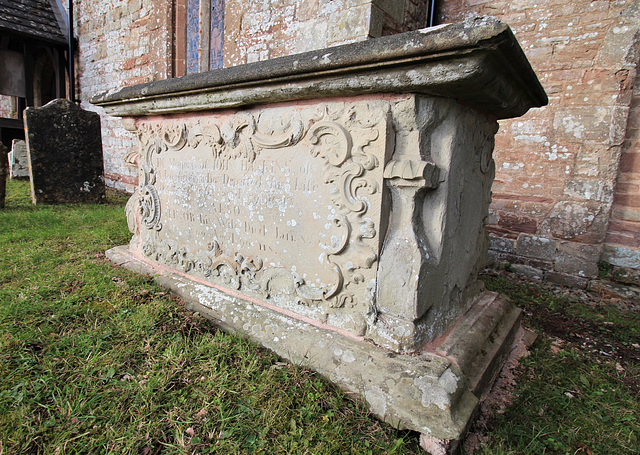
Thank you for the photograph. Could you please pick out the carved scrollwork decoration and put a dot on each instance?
(348, 168)
(210, 137)
(148, 201)
(294, 131)
(175, 137)
(237, 138)
(149, 206)
(169, 252)
(132, 158)
(131, 210)
(337, 146)
(236, 134)
(338, 244)
(234, 272)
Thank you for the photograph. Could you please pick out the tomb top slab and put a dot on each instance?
(478, 62)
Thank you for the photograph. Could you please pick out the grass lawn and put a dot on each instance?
(95, 359)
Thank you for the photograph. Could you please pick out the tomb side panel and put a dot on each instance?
(282, 205)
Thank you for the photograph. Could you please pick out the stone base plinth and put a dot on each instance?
(434, 391)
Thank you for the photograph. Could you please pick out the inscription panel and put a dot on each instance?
(282, 204)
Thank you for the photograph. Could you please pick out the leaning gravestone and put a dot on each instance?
(65, 153)
(331, 206)
(18, 160)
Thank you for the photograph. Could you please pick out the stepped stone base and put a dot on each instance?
(435, 391)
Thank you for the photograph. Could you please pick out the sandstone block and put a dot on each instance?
(585, 221)
(564, 279)
(501, 244)
(532, 246)
(590, 189)
(578, 259)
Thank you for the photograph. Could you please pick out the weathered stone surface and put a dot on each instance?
(288, 205)
(617, 290)
(18, 160)
(564, 279)
(527, 270)
(567, 154)
(536, 247)
(501, 244)
(538, 264)
(282, 204)
(481, 339)
(621, 256)
(578, 259)
(65, 153)
(578, 221)
(423, 275)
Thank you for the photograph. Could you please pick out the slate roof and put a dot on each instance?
(31, 18)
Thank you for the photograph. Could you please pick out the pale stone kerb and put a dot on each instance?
(536, 247)
(386, 382)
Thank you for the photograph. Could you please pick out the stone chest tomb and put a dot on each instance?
(331, 206)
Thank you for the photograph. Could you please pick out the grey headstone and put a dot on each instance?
(18, 160)
(65, 153)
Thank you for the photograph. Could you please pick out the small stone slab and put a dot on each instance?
(18, 160)
(3, 173)
(65, 154)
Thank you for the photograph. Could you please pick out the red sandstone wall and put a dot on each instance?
(623, 237)
(557, 166)
(256, 31)
(121, 42)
